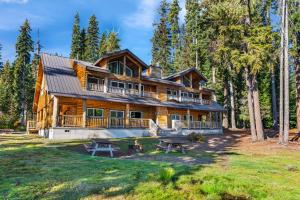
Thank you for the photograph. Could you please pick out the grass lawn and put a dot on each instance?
(35, 168)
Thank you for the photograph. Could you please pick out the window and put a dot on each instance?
(95, 112)
(136, 115)
(184, 94)
(186, 81)
(185, 117)
(190, 95)
(129, 85)
(129, 72)
(116, 67)
(117, 84)
(171, 92)
(116, 114)
(95, 80)
(175, 117)
(197, 96)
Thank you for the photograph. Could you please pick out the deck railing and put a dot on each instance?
(95, 122)
(96, 87)
(70, 121)
(179, 124)
(149, 94)
(116, 122)
(172, 97)
(139, 123)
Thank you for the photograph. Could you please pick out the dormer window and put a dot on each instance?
(129, 72)
(186, 81)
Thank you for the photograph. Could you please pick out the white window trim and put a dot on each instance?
(179, 117)
(118, 67)
(131, 71)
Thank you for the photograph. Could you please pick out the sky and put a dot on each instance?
(132, 19)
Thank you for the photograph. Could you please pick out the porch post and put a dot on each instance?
(210, 119)
(179, 94)
(140, 89)
(83, 112)
(105, 87)
(127, 116)
(200, 96)
(188, 118)
(221, 120)
(55, 112)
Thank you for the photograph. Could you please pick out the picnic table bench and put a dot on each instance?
(101, 146)
(168, 145)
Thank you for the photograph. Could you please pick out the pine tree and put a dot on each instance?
(161, 42)
(113, 42)
(83, 44)
(174, 23)
(22, 82)
(76, 38)
(1, 64)
(103, 44)
(5, 87)
(92, 40)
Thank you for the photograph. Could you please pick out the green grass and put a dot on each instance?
(33, 168)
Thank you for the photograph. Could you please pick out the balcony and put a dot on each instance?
(172, 97)
(96, 87)
(184, 124)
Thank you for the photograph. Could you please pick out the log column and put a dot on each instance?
(105, 87)
(83, 112)
(188, 118)
(140, 89)
(127, 116)
(55, 112)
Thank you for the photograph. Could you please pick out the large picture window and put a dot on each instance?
(95, 112)
(116, 67)
(175, 117)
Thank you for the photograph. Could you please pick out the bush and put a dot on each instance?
(194, 137)
(6, 121)
(166, 175)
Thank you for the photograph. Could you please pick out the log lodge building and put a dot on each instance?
(120, 96)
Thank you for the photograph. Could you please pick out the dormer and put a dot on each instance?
(191, 78)
(122, 63)
(154, 71)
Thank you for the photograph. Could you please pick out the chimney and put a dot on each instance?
(155, 71)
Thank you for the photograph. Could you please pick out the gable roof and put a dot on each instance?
(119, 52)
(184, 72)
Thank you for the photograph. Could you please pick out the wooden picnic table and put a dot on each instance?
(171, 144)
(101, 145)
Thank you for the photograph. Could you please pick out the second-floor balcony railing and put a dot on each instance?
(191, 100)
(172, 97)
(96, 87)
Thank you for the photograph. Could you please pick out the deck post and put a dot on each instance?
(200, 96)
(140, 89)
(55, 112)
(105, 87)
(127, 115)
(83, 112)
(221, 120)
(179, 94)
(210, 120)
(188, 118)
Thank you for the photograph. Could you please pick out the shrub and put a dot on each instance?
(194, 137)
(166, 175)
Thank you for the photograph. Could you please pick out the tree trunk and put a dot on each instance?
(250, 105)
(257, 114)
(231, 96)
(214, 81)
(298, 94)
(286, 119)
(274, 102)
(225, 117)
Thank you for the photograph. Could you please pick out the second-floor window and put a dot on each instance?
(117, 84)
(116, 67)
(172, 92)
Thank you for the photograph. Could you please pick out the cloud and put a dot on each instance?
(144, 15)
(14, 1)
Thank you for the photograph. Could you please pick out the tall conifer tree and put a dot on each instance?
(76, 38)
(103, 44)
(113, 42)
(92, 40)
(22, 83)
(161, 40)
(82, 44)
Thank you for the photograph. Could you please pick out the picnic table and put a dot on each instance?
(168, 145)
(99, 145)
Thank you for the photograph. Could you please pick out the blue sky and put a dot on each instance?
(132, 19)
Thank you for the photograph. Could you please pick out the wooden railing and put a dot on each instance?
(116, 90)
(172, 97)
(31, 125)
(70, 121)
(94, 122)
(206, 101)
(139, 123)
(96, 87)
(149, 94)
(191, 100)
(131, 92)
(178, 124)
(116, 122)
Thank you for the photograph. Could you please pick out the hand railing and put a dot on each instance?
(149, 94)
(116, 122)
(179, 124)
(96, 87)
(116, 90)
(153, 128)
(139, 123)
(172, 97)
(96, 122)
(70, 120)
